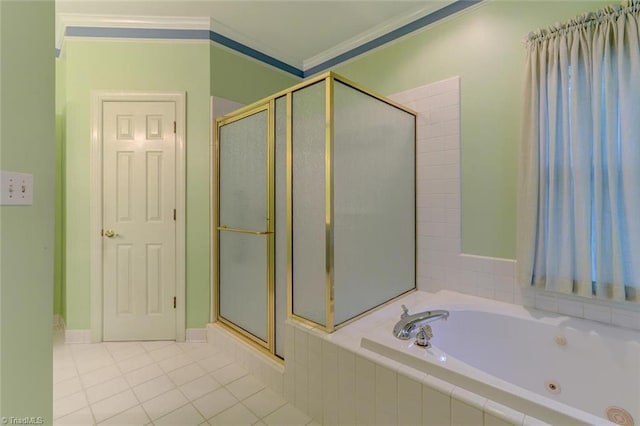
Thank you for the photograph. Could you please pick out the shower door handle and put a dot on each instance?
(244, 231)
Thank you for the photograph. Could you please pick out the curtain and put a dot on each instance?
(579, 184)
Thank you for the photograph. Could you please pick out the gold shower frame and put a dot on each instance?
(268, 104)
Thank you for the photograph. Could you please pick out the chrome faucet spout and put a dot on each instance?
(406, 326)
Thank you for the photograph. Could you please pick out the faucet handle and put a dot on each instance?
(405, 312)
(424, 335)
(428, 331)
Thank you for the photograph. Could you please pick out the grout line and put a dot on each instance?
(172, 411)
(84, 390)
(269, 413)
(109, 352)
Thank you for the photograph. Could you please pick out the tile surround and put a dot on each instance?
(440, 264)
(380, 391)
(360, 387)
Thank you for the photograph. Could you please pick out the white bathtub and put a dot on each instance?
(555, 368)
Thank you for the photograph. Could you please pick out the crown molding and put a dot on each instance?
(203, 28)
(64, 20)
(414, 26)
(372, 34)
(119, 21)
(236, 36)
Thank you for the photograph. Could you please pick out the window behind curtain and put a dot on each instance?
(579, 197)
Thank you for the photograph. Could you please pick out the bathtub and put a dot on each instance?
(558, 369)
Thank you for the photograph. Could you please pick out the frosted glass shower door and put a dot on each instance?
(245, 234)
(374, 202)
(308, 197)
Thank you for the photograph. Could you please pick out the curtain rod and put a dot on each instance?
(584, 20)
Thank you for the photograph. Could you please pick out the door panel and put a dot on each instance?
(154, 186)
(138, 222)
(243, 173)
(243, 278)
(123, 186)
(154, 278)
(245, 237)
(124, 286)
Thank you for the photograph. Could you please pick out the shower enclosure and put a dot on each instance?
(315, 208)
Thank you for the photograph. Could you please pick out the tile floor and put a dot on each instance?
(159, 383)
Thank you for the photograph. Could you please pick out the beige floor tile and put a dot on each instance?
(199, 387)
(236, 415)
(144, 374)
(153, 388)
(94, 363)
(215, 362)
(201, 353)
(135, 362)
(66, 388)
(287, 415)
(186, 374)
(264, 402)
(69, 404)
(146, 383)
(105, 390)
(135, 416)
(174, 362)
(113, 405)
(82, 417)
(100, 375)
(155, 345)
(244, 387)
(124, 350)
(62, 374)
(165, 352)
(183, 416)
(164, 404)
(229, 373)
(215, 402)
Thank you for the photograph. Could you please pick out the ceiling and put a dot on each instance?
(300, 33)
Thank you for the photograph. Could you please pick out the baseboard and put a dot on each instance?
(58, 321)
(193, 335)
(77, 336)
(196, 335)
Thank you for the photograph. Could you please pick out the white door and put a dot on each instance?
(139, 228)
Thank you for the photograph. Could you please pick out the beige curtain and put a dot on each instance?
(579, 189)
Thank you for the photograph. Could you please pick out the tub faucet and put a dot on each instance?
(407, 325)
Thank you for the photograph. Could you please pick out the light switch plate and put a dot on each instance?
(16, 188)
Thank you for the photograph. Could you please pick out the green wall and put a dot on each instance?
(58, 261)
(198, 68)
(243, 80)
(485, 47)
(27, 144)
(120, 66)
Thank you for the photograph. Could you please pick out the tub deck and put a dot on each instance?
(450, 361)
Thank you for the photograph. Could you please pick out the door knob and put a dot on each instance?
(110, 233)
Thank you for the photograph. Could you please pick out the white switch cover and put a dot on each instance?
(16, 188)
